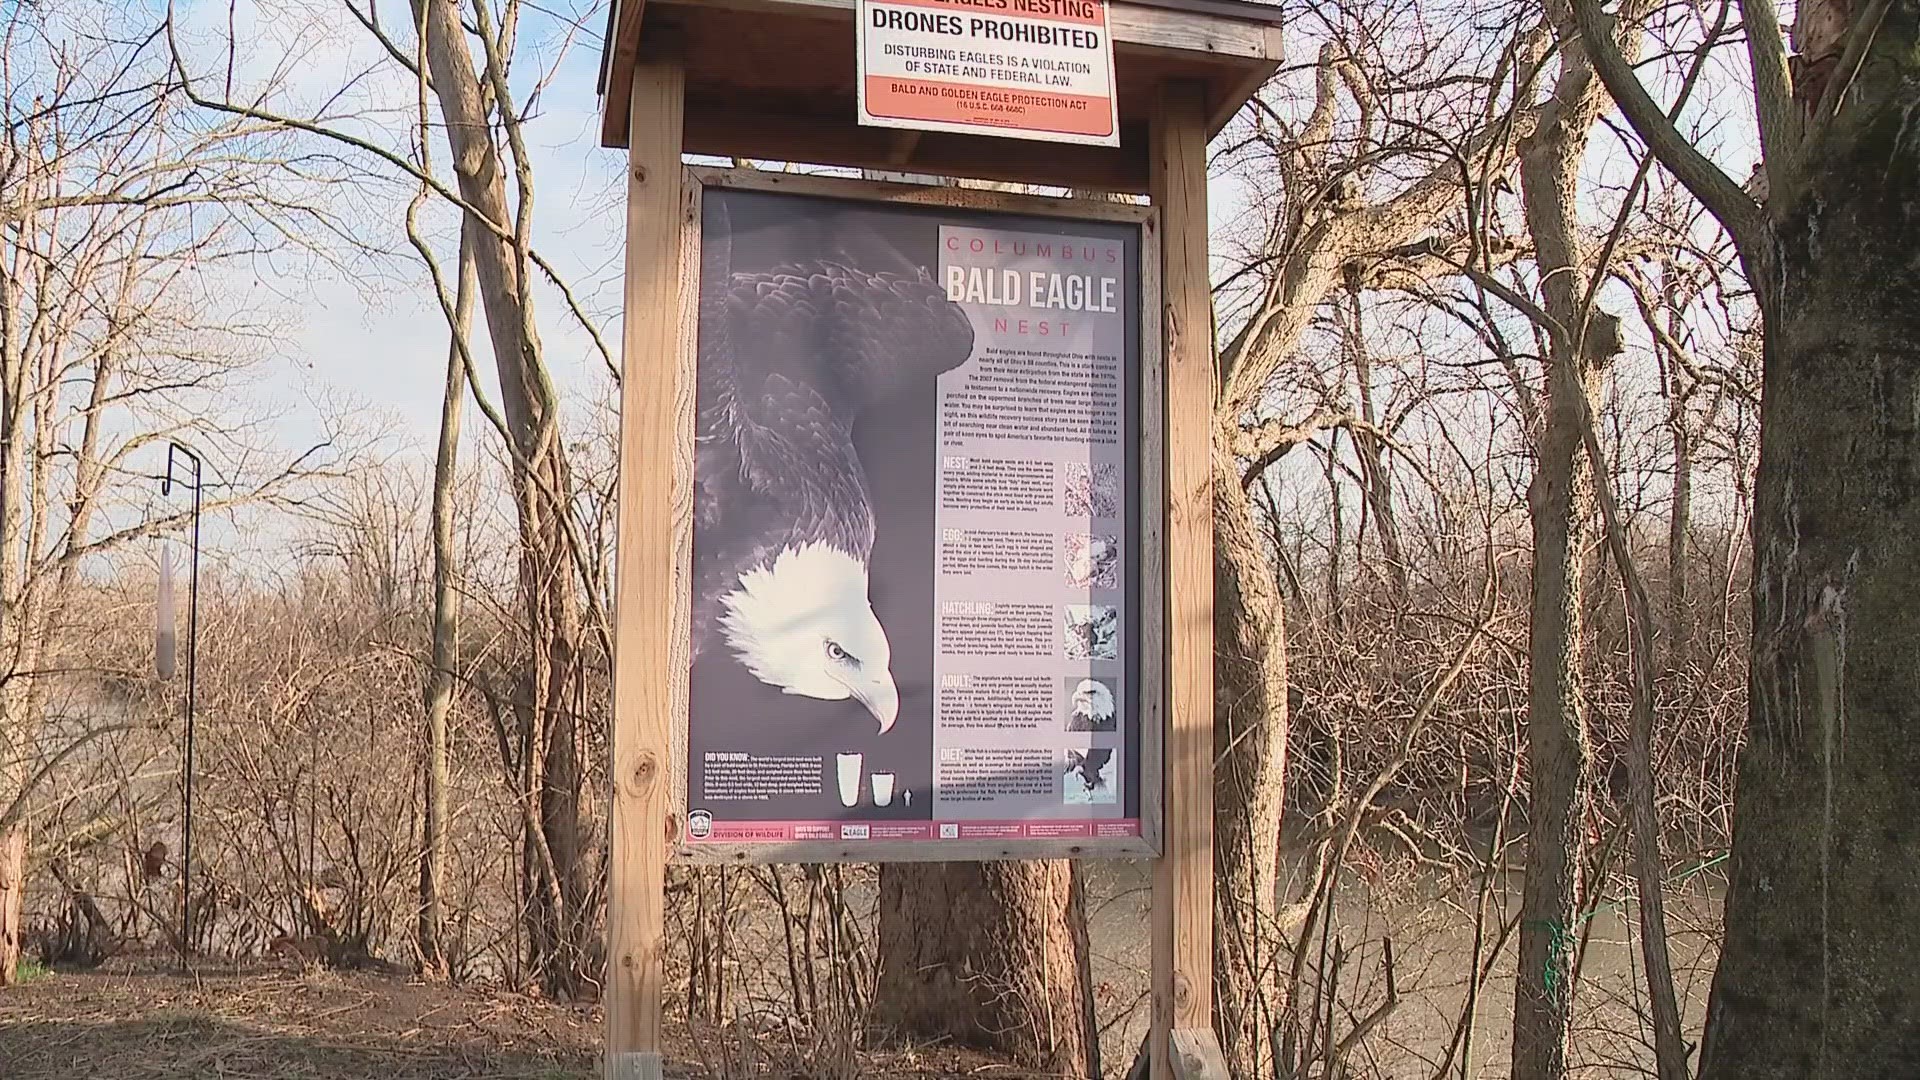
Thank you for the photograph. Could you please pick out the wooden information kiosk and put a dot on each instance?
(776, 80)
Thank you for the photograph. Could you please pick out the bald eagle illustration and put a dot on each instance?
(789, 359)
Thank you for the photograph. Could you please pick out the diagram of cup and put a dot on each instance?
(849, 779)
(882, 788)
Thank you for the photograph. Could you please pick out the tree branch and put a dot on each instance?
(1717, 191)
(18, 806)
(1780, 126)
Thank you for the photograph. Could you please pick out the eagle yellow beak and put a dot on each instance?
(881, 698)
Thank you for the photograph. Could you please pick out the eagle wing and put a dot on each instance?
(789, 358)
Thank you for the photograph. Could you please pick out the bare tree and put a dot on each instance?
(560, 873)
(445, 647)
(1559, 499)
(112, 208)
(1372, 173)
(1809, 983)
(461, 54)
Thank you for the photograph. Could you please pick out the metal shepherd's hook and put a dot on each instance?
(164, 639)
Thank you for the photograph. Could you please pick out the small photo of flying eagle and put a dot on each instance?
(1089, 777)
(789, 359)
(1092, 707)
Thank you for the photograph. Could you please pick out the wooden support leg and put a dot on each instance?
(645, 649)
(1184, 1045)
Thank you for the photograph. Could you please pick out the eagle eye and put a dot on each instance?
(835, 652)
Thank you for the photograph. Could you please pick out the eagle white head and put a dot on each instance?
(802, 622)
(1092, 698)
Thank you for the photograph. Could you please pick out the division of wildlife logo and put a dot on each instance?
(699, 824)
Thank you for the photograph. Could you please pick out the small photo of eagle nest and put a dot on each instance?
(1092, 631)
(1093, 562)
(1093, 489)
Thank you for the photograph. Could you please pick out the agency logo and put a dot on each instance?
(699, 824)
(949, 831)
(853, 832)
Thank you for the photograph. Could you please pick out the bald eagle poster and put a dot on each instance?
(915, 569)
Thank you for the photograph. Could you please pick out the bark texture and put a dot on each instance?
(987, 954)
(1816, 975)
(438, 694)
(1557, 751)
(1559, 500)
(1250, 764)
(13, 895)
(557, 880)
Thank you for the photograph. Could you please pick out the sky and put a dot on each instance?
(374, 338)
(364, 332)
(364, 336)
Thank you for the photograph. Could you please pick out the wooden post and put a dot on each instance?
(1184, 1045)
(645, 662)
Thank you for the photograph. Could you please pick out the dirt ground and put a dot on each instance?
(131, 1022)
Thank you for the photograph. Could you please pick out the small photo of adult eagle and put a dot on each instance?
(1092, 707)
(789, 359)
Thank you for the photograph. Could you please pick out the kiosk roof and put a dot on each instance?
(774, 79)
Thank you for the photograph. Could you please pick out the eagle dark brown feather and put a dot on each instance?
(789, 359)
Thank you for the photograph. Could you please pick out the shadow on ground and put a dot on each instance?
(133, 1022)
(197, 1046)
(285, 1026)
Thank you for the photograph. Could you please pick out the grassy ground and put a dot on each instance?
(283, 1024)
(133, 1023)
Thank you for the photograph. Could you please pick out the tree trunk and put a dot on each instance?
(1559, 502)
(1816, 976)
(1679, 554)
(557, 882)
(1371, 449)
(13, 897)
(1250, 740)
(445, 646)
(1556, 755)
(990, 955)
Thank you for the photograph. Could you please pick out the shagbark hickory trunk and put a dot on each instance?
(1816, 978)
(987, 954)
(1250, 764)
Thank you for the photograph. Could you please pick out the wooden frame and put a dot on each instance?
(1184, 67)
(1183, 1043)
(643, 640)
(1152, 415)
